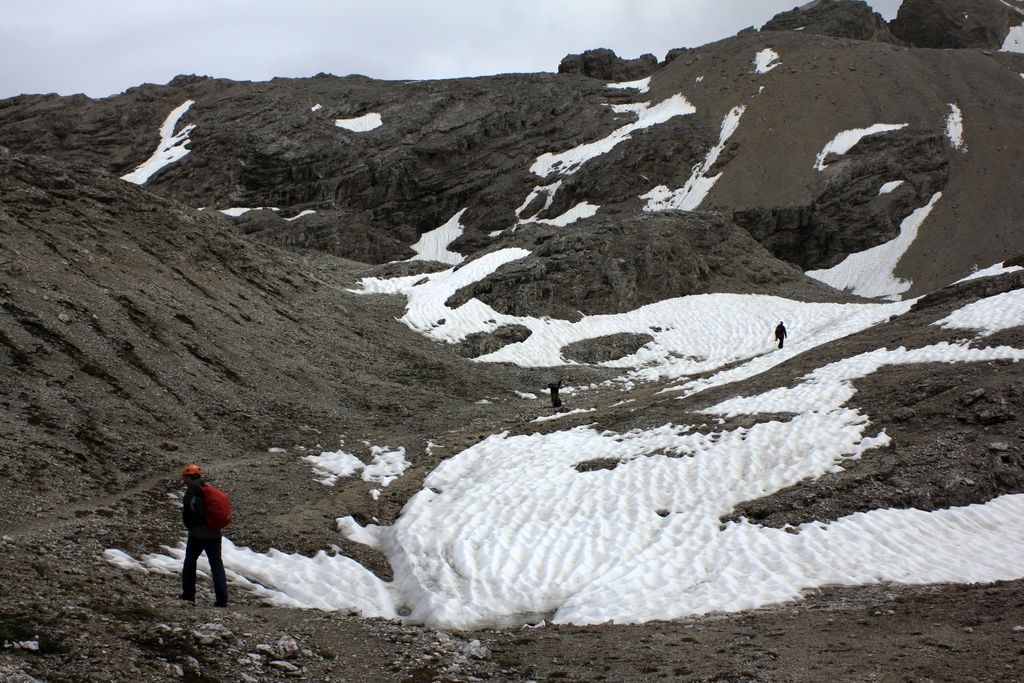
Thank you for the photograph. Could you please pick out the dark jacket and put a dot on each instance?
(780, 331)
(193, 512)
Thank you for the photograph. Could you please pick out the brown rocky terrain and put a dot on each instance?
(138, 333)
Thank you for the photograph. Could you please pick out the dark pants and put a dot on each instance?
(193, 549)
(781, 339)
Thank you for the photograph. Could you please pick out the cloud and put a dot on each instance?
(104, 46)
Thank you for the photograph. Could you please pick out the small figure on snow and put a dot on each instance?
(204, 520)
(780, 333)
(554, 387)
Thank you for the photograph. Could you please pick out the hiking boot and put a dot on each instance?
(187, 598)
(221, 603)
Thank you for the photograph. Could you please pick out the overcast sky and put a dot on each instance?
(101, 47)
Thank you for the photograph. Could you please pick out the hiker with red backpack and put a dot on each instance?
(205, 511)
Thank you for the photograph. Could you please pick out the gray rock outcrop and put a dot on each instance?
(836, 18)
(953, 24)
(604, 64)
(613, 265)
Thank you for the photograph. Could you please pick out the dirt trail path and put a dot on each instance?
(86, 507)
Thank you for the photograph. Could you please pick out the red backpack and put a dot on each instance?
(217, 506)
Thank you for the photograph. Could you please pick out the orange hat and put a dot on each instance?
(191, 471)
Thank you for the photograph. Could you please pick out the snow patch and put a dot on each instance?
(433, 245)
(1014, 40)
(766, 60)
(889, 187)
(360, 124)
(870, 273)
(237, 211)
(997, 269)
(387, 465)
(172, 146)
(629, 108)
(989, 315)
(844, 141)
(955, 128)
(549, 196)
(558, 416)
(578, 212)
(305, 212)
(316, 107)
(641, 86)
(690, 195)
(569, 161)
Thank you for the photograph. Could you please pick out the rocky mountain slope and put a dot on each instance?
(141, 328)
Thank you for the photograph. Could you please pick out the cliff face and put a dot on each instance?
(957, 24)
(836, 18)
(371, 166)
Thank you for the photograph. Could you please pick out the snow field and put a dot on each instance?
(829, 387)
(871, 273)
(691, 334)
(171, 148)
(844, 141)
(509, 530)
(569, 161)
(692, 194)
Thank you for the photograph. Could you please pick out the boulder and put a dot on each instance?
(611, 264)
(604, 64)
(606, 348)
(481, 343)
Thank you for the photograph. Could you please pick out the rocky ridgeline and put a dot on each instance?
(836, 18)
(197, 359)
(444, 146)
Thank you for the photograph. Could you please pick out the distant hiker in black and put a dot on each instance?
(554, 387)
(780, 334)
(201, 538)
